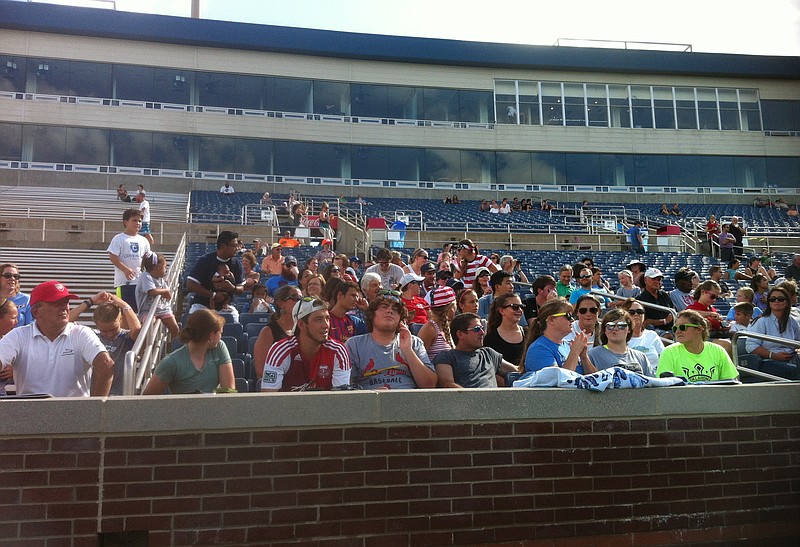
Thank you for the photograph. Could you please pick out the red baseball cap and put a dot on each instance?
(51, 291)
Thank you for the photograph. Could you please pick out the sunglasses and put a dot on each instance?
(515, 307)
(621, 325)
(296, 298)
(565, 314)
(711, 295)
(590, 310)
(770, 299)
(476, 328)
(683, 327)
(636, 312)
(586, 276)
(390, 294)
(11, 276)
(335, 270)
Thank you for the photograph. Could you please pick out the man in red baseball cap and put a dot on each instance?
(53, 355)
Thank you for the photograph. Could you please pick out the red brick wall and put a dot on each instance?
(623, 482)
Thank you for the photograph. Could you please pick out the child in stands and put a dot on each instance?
(151, 285)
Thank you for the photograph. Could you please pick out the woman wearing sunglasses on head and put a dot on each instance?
(704, 297)
(776, 321)
(646, 341)
(546, 345)
(616, 330)
(279, 327)
(503, 333)
(693, 357)
(10, 289)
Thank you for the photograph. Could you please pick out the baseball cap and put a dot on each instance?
(428, 267)
(442, 296)
(683, 275)
(355, 259)
(305, 307)
(51, 291)
(455, 284)
(408, 278)
(444, 274)
(274, 245)
(653, 273)
(326, 241)
(480, 271)
(290, 260)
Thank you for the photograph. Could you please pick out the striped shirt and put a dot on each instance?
(480, 261)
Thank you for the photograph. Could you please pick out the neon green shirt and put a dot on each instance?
(712, 363)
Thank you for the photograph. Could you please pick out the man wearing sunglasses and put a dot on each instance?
(470, 364)
(389, 356)
(390, 273)
(469, 260)
(201, 279)
(585, 285)
(307, 360)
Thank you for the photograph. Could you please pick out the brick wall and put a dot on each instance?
(655, 481)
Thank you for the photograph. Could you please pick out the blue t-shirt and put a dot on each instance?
(277, 281)
(633, 236)
(576, 294)
(23, 303)
(543, 353)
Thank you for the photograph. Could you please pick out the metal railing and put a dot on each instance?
(151, 344)
(767, 338)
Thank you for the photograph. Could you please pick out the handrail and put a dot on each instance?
(644, 304)
(149, 345)
(766, 338)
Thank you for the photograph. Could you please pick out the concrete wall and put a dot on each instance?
(429, 467)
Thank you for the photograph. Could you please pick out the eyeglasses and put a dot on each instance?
(683, 327)
(770, 299)
(336, 270)
(390, 294)
(636, 312)
(11, 276)
(621, 325)
(567, 315)
(295, 297)
(711, 295)
(590, 310)
(515, 307)
(476, 328)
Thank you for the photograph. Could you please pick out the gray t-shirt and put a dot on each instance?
(390, 278)
(117, 348)
(633, 292)
(375, 366)
(632, 360)
(680, 299)
(472, 369)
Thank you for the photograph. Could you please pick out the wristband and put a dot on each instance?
(211, 298)
(770, 355)
(88, 303)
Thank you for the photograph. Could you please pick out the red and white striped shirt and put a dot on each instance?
(480, 261)
(286, 367)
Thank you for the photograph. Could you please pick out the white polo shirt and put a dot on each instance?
(61, 368)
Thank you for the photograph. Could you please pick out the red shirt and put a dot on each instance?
(286, 367)
(417, 310)
(715, 323)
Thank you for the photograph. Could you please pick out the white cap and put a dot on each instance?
(653, 272)
(408, 278)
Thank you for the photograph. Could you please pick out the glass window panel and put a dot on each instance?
(254, 156)
(291, 95)
(13, 72)
(620, 109)
(574, 108)
(87, 146)
(331, 160)
(440, 104)
(406, 164)
(292, 158)
(404, 102)
(171, 85)
(442, 165)
(642, 109)
(783, 172)
(548, 168)
(249, 92)
(596, 105)
(664, 107)
(215, 89)
(616, 170)
(48, 76)
(514, 168)
(707, 108)
(134, 83)
(583, 168)
(717, 171)
(478, 166)
(751, 114)
(684, 171)
(171, 151)
(369, 100)
(777, 115)
(10, 141)
(529, 103)
(750, 172)
(685, 102)
(216, 154)
(331, 98)
(505, 96)
(370, 162)
(475, 106)
(651, 170)
(131, 149)
(551, 104)
(46, 143)
(90, 79)
(728, 110)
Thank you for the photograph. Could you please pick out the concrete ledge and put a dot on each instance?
(298, 410)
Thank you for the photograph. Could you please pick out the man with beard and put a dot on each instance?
(585, 282)
(201, 279)
(681, 296)
(288, 275)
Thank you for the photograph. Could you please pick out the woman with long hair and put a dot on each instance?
(467, 301)
(503, 332)
(418, 258)
(279, 327)
(10, 289)
(642, 339)
(693, 357)
(481, 283)
(776, 321)
(587, 310)
(545, 341)
(760, 283)
(315, 286)
(704, 297)
(435, 334)
(201, 365)
(616, 330)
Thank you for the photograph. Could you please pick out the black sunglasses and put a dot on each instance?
(590, 310)
(11, 276)
(515, 307)
(636, 312)
(770, 299)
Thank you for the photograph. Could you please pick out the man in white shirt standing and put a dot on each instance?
(125, 252)
(53, 355)
(144, 208)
